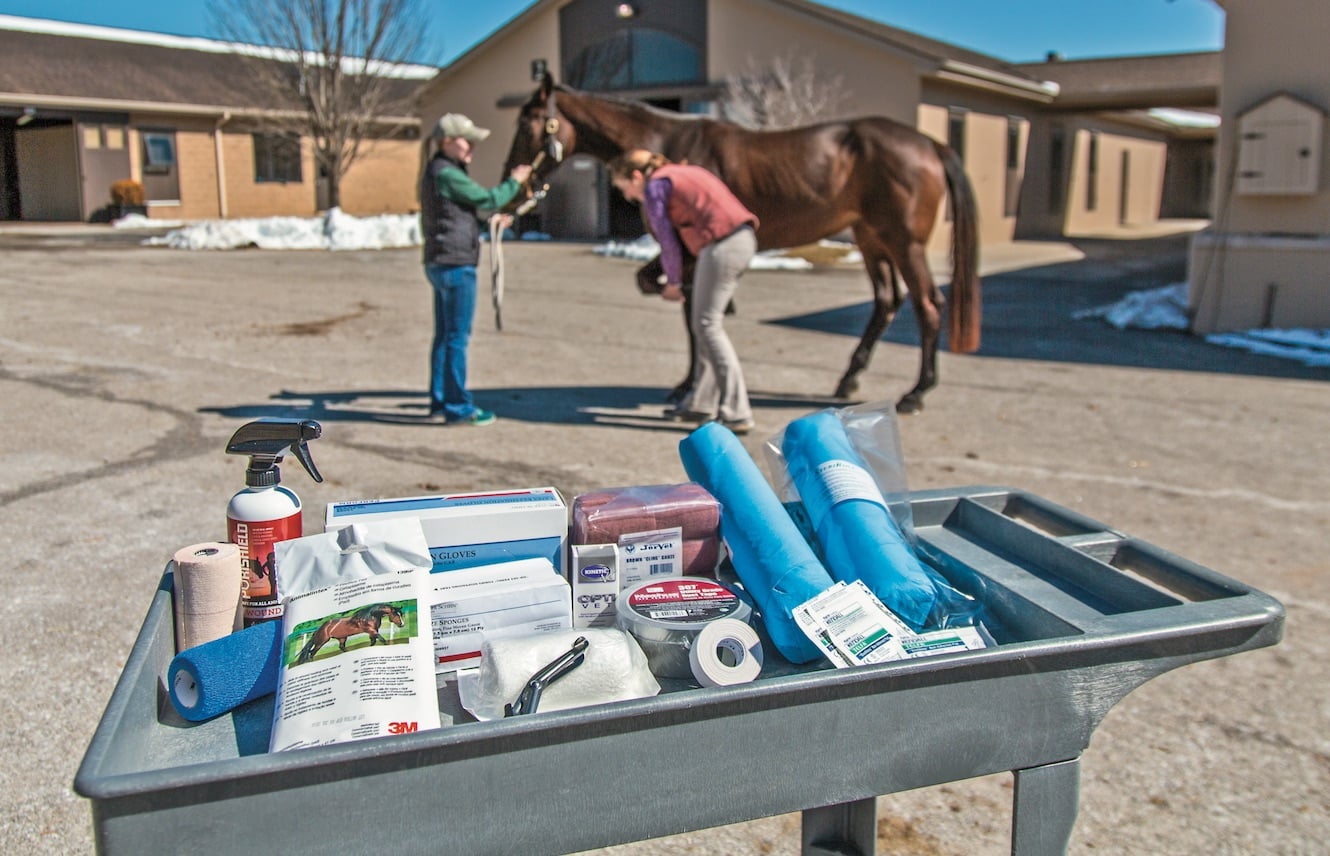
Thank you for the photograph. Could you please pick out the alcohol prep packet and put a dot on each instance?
(855, 625)
(854, 628)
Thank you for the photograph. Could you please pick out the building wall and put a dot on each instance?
(1272, 46)
(1096, 202)
(1047, 211)
(383, 179)
(877, 82)
(196, 166)
(1266, 260)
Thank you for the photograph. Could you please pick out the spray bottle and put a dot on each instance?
(265, 512)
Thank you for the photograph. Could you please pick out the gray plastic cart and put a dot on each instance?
(1083, 614)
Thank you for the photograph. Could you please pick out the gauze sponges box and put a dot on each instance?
(467, 530)
(506, 599)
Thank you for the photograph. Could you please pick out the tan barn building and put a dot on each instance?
(1265, 261)
(82, 107)
(1044, 157)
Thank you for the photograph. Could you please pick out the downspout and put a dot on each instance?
(221, 163)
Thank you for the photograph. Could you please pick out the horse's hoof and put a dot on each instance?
(910, 404)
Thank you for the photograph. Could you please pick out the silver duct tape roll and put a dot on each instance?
(207, 593)
(665, 617)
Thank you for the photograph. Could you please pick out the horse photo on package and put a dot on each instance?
(368, 621)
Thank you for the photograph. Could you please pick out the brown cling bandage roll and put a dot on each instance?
(602, 517)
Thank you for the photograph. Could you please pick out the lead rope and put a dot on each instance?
(496, 270)
(555, 149)
(496, 244)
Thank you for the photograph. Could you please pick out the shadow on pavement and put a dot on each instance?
(640, 407)
(1028, 314)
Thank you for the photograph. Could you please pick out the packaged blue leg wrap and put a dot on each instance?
(860, 540)
(774, 563)
(218, 676)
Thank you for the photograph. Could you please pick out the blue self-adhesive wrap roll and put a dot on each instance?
(218, 676)
(859, 538)
(774, 563)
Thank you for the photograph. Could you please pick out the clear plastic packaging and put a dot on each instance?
(606, 516)
(858, 545)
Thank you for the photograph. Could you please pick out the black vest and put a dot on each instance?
(451, 230)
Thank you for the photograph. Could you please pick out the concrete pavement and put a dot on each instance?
(124, 370)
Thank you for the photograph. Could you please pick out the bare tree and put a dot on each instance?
(788, 92)
(329, 69)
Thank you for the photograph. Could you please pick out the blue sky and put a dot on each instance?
(1015, 30)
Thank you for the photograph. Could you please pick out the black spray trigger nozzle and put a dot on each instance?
(268, 440)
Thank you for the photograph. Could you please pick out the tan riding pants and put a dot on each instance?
(718, 379)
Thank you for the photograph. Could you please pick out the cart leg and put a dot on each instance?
(848, 829)
(1044, 808)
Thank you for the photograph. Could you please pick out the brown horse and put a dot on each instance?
(880, 179)
(365, 620)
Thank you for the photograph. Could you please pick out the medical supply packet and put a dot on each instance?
(853, 628)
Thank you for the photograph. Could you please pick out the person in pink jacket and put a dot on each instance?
(688, 203)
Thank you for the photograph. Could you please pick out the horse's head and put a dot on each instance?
(543, 137)
(394, 615)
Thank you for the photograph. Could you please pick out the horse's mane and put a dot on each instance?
(638, 107)
(366, 613)
(697, 138)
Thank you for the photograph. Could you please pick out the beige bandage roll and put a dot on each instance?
(207, 593)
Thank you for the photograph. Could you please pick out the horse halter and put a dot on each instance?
(553, 147)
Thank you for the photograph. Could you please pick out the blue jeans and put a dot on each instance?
(454, 307)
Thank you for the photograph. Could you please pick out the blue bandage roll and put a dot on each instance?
(215, 677)
(859, 538)
(773, 561)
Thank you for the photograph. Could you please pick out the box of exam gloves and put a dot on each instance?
(468, 530)
(471, 605)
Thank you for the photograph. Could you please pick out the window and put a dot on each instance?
(1092, 174)
(1014, 173)
(158, 152)
(1057, 164)
(955, 139)
(661, 44)
(634, 58)
(956, 131)
(277, 158)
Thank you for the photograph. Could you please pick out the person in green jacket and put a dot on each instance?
(450, 206)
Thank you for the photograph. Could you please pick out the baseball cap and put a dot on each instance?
(457, 125)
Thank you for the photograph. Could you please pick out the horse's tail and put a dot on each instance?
(313, 645)
(965, 312)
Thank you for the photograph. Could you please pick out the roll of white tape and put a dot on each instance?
(725, 653)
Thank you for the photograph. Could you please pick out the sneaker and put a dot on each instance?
(477, 418)
(739, 426)
(679, 414)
